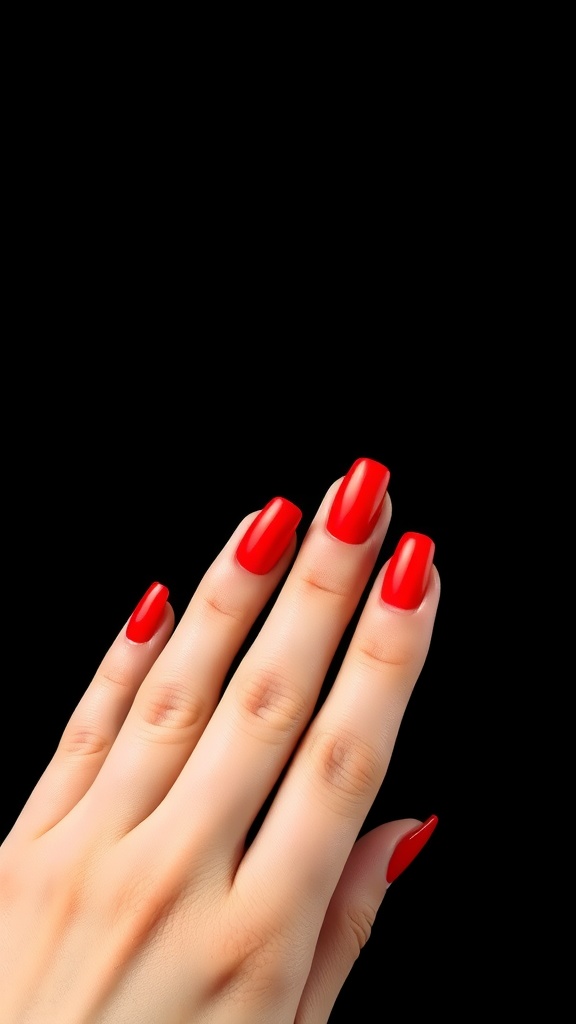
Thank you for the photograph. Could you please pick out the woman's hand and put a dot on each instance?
(129, 892)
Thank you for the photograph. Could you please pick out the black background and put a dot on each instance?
(203, 311)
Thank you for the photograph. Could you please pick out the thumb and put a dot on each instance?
(376, 860)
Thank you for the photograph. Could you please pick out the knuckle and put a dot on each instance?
(378, 651)
(116, 674)
(218, 605)
(346, 769)
(79, 740)
(325, 581)
(268, 698)
(141, 904)
(170, 709)
(357, 926)
(252, 962)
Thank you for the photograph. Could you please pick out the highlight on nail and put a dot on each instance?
(268, 536)
(358, 501)
(147, 614)
(409, 847)
(408, 572)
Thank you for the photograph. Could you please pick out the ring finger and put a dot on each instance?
(340, 765)
(179, 693)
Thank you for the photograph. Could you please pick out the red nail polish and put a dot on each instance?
(358, 501)
(409, 846)
(146, 616)
(408, 572)
(268, 536)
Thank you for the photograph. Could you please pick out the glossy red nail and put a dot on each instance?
(409, 846)
(146, 616)
(268, 536)
(408, 572)
(358, 501)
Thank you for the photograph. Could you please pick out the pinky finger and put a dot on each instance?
(97, 718)
(375, 861)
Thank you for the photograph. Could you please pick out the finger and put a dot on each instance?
(98, 717)
(272, 694)
(183, 686)
(340, 765)
(376, 860)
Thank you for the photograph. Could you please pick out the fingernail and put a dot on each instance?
(358, 501)
(408, 572)
(146, 616)
(268, 536)
(409, 847)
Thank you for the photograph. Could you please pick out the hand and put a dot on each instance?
(191, 853)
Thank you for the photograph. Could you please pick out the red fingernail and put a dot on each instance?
(358, 501)
(267, 538)
(408, 572)
(409, 846)
(146, 616)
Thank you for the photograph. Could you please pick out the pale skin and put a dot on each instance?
(127, 892)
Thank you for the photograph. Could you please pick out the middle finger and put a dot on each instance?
(272, 694)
